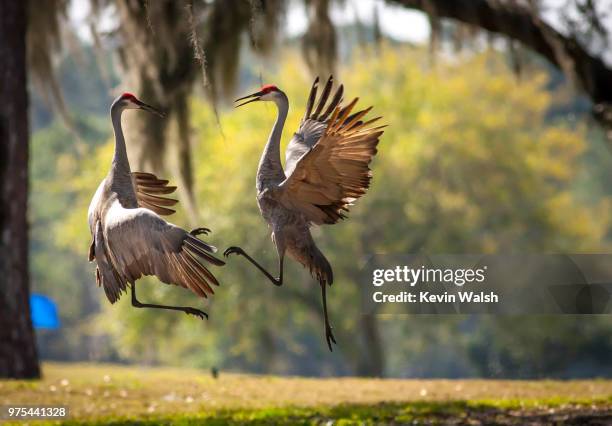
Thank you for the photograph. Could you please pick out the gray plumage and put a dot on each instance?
(131, 240)
(326, 169)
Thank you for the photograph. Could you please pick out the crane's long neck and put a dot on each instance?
(120, 176)
(270, 167)
(120, 164)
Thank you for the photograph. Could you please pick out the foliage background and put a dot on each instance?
(474, 160)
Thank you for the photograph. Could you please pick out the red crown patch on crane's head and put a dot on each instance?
(267, 88)
(128, 95)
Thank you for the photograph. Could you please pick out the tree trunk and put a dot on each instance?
(371, 355)
(18, 357)
(372, 360)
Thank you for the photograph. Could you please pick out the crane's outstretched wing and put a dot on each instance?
(313, 123)
(335, 171)
(138, 242)
(148, 189)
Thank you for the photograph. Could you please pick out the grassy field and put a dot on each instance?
(122, 395)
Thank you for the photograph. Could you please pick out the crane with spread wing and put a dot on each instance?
(130, 239)
(326, 170)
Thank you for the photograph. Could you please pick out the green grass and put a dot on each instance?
(121, 395)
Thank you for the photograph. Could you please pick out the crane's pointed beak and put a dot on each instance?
(149, 108)
(254, 96)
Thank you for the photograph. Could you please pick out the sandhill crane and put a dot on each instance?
(326, 169)
(130, 239)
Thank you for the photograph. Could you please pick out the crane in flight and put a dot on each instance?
(130, 239)
(326, 170)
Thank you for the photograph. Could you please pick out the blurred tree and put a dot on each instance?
(319, 42)
(570, 49)
(55, 270)
(18, 356)
(44, 37)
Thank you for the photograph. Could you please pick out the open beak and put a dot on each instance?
(252, 98)
(149, 108)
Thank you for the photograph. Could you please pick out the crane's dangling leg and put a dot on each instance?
(329, 335)
(276, 281)
(188, 310)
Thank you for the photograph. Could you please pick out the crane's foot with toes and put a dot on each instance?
(200, 231)
(196, 312)
(329, 337)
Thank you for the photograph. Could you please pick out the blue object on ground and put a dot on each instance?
(44, 312)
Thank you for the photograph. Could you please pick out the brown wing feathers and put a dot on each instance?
(341, 156)
(311, 98)
(148, 190)
(333, 104)
(188, 262)
(324, 96)
(195, 275)
(316, 115)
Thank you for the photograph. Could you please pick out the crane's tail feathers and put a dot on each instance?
(106, 275)
(320, 268)
(92, 250)
(112, 283)
(148, 189)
